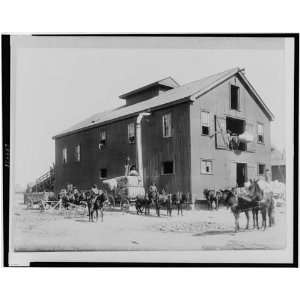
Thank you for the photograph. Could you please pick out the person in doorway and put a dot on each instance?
(228, 138)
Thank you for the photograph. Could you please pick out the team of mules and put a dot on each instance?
(161, 201)
(255, 201)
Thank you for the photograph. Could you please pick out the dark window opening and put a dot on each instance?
(168, 167)
(234, 128)
(234, 97)
(131, 139)
(204, 123)
(261, 169)
(102, 142)
(260, 133)
(205, 130)
(131, 133)
(103, 173)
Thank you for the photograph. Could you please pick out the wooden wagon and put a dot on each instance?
(124, 190)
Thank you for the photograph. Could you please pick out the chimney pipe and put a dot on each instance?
(139, 143)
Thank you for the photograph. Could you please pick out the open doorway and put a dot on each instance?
(236, 127)
(241, 174)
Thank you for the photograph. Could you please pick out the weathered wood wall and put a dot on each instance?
(156, 149)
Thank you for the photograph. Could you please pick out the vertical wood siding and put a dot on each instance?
(112, 156)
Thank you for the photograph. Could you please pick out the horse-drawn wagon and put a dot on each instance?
(124, 190)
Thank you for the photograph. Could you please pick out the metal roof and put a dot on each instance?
(187, 92)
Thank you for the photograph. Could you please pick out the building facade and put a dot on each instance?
(185, 139)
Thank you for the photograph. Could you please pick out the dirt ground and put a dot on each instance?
(195, 230)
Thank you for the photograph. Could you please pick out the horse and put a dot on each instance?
(169, 204)
(256, 200)
(210, 197)
(154, 198)
(256, 195)
(219, 198)
(95, 204)
(99, 205)
(266, 204)
(238, 205)
(179, 198)
(140, 205)
(90, 204)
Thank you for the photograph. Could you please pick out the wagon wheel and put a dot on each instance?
(112, 201)
(125, 206)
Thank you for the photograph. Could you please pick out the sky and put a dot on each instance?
(58, 84)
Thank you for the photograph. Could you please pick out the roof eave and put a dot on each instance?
(179, 101)
(214, 84)
(265, 107)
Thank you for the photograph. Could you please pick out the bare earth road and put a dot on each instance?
(196, 230)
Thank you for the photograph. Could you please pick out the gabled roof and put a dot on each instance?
(168, 81)
(187, 92)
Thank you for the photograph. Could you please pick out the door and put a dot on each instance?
(241, 174)
(220, 129)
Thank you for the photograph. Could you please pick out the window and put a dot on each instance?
(103, 173)
(167, 125)
(234, 97)
(260, 133)
(204, 123)
(102, 139)
(206, 166)
(77, 153)
(261, 169)
(168, 167)
(64, 155)
(131, 133)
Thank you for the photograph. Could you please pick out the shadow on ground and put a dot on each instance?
(215, 232)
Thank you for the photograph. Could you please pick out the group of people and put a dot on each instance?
(72, 195)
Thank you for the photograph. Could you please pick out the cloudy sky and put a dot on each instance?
(60, 81)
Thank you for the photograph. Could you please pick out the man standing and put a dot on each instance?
(153, 195)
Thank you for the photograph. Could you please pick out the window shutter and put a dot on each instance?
(251, 171)
(220, 126)
(232, 177)
(251, 147)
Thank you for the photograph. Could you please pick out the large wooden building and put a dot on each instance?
(184, 144)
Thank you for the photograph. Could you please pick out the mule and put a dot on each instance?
(266, 205)
(169, 204)
(99, 206)
(90, 204)
(211, 198)
(154, 198)
(237, 206)
(179, 198)
(140, 204)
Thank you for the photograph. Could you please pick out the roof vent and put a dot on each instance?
(149, 91)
